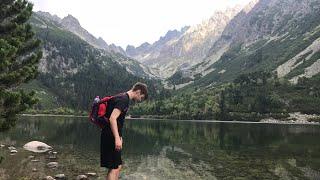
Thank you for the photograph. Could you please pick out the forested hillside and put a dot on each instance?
(75, 72)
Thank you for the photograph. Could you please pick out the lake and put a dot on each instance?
(166, 149)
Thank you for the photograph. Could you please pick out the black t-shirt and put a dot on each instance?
(121, 102)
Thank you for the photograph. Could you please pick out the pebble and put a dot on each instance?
(48, 178)
(60, 176)
(35, 160)
(52, 157)
(219, 166)
(52, 165)
(34, 170)
(91, 174)
(81, 177)
(11, 148)
(54, 152)
(2, 145)
(30, 157)
(13, 151)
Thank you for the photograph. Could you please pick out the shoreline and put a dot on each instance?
(263, 121)
(50, 115)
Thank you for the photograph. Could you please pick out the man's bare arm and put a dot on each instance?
(114, 127)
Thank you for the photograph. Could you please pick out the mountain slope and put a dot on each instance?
(70, 23)
(265, 36)
(76, 71)
(180, 50)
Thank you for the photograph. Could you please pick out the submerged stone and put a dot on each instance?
(13, 151)
(60, 176)
(48, 178)
(52, 157)
(92, 174)
(11, 148)
(81, 177)
(52, 165)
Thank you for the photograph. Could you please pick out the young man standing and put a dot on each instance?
(111, 134)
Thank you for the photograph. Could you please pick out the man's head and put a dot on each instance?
(139, 92)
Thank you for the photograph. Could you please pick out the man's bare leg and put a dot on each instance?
(113, 174)
(119, 169)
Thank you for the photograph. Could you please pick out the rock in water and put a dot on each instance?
(82, 177)
(52, 165)
(52, 157)
(11, 148)
(92, 174)
(37, 146)
(48, 178)
(13, 151)
(60, 176)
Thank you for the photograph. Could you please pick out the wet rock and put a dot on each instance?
(48, 178)
(91, 174)
(81, 177)
(37, 146)
(219, 166)
(60, 176)
(12, 148)
(52, 165)
(13, 151)
(52, 157)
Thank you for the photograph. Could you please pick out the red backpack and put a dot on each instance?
(98, 111)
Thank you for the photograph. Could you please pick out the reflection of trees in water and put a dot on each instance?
(222, 136)
(148, 137)
(57, 131)
(150, 134)
(249, 150)
(212, 142)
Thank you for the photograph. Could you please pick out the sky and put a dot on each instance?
(133, 22)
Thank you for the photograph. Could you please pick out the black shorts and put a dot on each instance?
(109, 156)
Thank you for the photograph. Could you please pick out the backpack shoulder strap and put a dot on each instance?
(105, 99)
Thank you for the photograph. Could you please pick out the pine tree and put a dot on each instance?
(19, 58)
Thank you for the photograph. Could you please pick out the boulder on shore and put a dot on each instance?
(37, 146)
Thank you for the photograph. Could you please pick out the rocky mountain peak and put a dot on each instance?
(180, 49)
(70, 21)
(49, 16)
(145, 45)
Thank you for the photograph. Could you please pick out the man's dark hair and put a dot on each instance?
(142, 87)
